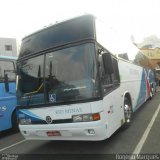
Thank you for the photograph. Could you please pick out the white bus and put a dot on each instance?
(72, 86)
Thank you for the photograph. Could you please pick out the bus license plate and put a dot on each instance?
(53, 133)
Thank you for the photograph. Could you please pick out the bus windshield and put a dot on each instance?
(60, 34)
(69, 74)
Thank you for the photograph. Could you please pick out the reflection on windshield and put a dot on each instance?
(70, 75)
(30, 81)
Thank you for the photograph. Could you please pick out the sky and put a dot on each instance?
(136, 18)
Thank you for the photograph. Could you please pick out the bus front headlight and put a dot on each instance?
(86, 117)
(25, 121)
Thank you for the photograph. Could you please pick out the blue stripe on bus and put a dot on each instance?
(29, 114)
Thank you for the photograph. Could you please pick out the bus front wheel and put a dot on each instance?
(127, 112)
(14, 122)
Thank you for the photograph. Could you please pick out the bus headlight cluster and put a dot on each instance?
(86, 117)
(25, 121)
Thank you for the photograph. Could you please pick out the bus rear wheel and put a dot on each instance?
(151, 92)
(127, 112)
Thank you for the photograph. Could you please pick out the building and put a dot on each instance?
(153, 54)
(150, 42)
(151, 49)
(8, 47)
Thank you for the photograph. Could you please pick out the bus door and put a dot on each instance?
(7, 93)
(112, 97)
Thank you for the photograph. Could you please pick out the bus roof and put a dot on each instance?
(58, 23)
(8, 57)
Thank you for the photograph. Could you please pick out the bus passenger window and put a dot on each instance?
(116, 71)
(7, 68)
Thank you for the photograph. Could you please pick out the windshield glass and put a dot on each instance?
(58, 34)
(30, 81)
(70, 75)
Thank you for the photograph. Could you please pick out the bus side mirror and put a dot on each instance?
(6, 82)
(107, 62)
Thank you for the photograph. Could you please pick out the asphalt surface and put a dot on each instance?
(123, 141)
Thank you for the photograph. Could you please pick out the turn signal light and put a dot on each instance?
(96, 117)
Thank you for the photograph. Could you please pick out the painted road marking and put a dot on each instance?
(12, 145)
(146, 133)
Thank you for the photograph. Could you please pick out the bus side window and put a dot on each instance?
(106, 77)
(116, 77)
(109, 74)
(7, 68)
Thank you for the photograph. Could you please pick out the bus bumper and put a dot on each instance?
(85, 133)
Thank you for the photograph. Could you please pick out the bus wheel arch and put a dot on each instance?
(128, 111)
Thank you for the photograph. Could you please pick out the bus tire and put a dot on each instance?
(127, 113)
(151, 92)
(14, 122)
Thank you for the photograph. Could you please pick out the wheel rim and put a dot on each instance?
(128, 113)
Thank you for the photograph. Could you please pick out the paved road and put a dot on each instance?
(123, 141)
